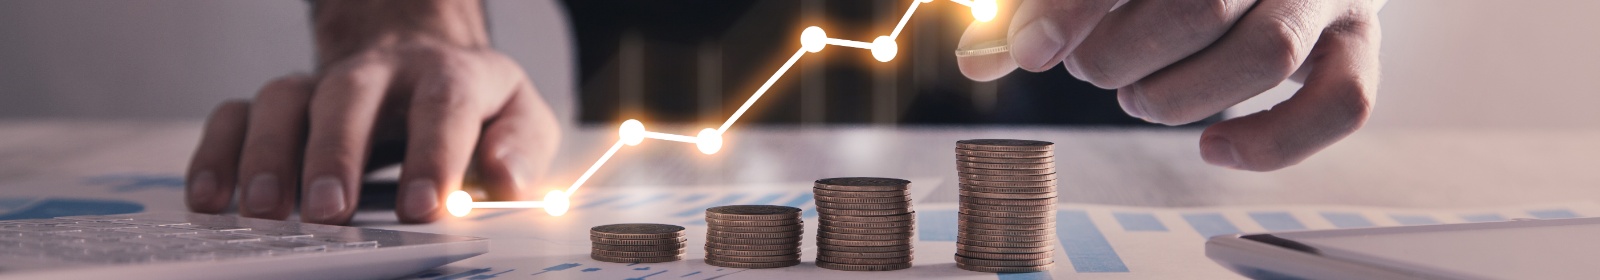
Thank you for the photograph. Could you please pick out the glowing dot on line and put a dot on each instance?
(632, 132)
(556, 203)
(459, 203)
(884, 48)
(813, 39)
(709, 141)
(984, 10)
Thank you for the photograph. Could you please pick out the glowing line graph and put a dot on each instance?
(709, 141)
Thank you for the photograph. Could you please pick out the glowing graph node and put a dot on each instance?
(632, 132)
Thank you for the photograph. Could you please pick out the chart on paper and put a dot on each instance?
(1093, 241)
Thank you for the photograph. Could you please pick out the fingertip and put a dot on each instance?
(1217, 150)
(419, 202)
(202, 193)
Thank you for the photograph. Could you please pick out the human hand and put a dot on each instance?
(451, 103)
(1177, 62)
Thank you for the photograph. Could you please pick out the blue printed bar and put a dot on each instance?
(1042, 275)
(725, 200)
(768, 199)
(1413, 220)
(1210, 224)
(1139, 221)
(936, 225)
(603, 201)
(1085, 246)
(1346, 220)
(1553, 214)
(1479, 218)
(646, 201)
(1277, 221)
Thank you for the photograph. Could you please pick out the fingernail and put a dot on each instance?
(1117, 5)
(203, 185)
(422, 197)
(324, 200)
(1132, 102)
(261, 196)
(1035, 45)
(1219, 151)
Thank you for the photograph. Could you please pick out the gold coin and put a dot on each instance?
(864, 206)
(889, 224)
(863, 267)
(638, 248)
(1005, 238)
(637, 231)
(755, 235)
(858, 200)
(1009, 184)
(1005, 145)
(1008, 195)
(1009, 208)
(833, 193)
(871, 243)
(752, 265)
(1040, 227)
(753, 212)
(747, 247)
(1006, 172)
(737, 223)
(994, 154)
(725, 252)
(822, 247)
(983, 189)
(863, 184)
(864, 237)
(842, 260)
(754, 259)
(869, 219)
(625, 254)
(1004, 166)
(753, 241)
(1005, 269)
(635, 260)
(1006, 221)
(637, 242)
(866, 230)
(1005, 160)
(1008, 244)
(1005, 232)
(1008, 178)
(853, 212)
(1004, 214)
(782, 228)
(866, 255)
(1008, 202)
(986, 262)
(997, 256)
(960, 247)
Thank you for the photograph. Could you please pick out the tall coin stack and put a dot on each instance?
(753, 236)
(866, 224)
(1008, 198)
(637, 243)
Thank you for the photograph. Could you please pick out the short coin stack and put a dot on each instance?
(753, 236)
(637, 243)
(1008, 198)
(866, 224)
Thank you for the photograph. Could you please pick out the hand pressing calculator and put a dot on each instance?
(200, 246)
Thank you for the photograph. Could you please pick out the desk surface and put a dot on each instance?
(1151, 167)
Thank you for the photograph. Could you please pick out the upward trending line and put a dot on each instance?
(709, 141)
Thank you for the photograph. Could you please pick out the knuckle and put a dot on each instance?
(1203, 13)
(450, 93)
(1161, 108)
(1351, 105)
(359, 75)
(1278, 45)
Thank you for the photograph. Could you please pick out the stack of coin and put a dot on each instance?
(1008, 198)
(866, 224)
(637, 243)
(753, 236)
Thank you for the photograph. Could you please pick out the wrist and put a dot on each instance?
(346, 27)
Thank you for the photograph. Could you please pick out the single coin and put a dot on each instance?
(1004, 160)
(841, 260)
(1004, 214)
(639, 248)
(1009, 208)
(852, 212)
(1005, 269)
(744, 247)
(840, 242)
(737, 223)
(983, 189)
(1004, 238)
(966, 224)
(782, 228)
(866, 255)
(993, 154)
(637, 231)
(889, 224)
(1006, 244)
(1006, 166)
(725, 252)
(984, 48)
(863, 184)
(986, 262)
(637, 242)
(833, 193)
(625, 254)
(635, 260)
(862, 249)
(864, 206)
(973, 230)
(1008, 178)
(752, 265)
(1006, 221)
(866, 230)
(1008, 195)
(1011, 184)
(864, 237)
(863, 267)
(753, 241)
(996, 256)
(830, 199)
(1008, 202)
(960, 247)
(1005, 172)
(869, 219)
(754, 259)
(1005, 145)
(755, 235)
(752, 212)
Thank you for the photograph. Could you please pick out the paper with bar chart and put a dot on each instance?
(1094, 241)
